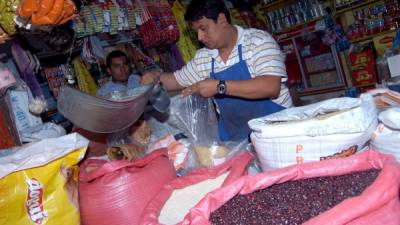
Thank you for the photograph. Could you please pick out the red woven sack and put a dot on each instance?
(378, 204)
(237, 167)
(116, 192)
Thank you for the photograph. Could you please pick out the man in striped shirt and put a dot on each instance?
(243, 69)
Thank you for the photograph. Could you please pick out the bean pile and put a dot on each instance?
(292, 202)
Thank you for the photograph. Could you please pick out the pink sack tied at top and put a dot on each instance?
(116, 192)
(379, 204)
(237, 167)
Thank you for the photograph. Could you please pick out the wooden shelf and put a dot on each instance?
(371, 36)
(267, 7)
(359, 5)
(298, 25)
(321, 90)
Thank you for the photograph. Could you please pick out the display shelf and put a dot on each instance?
(322, 90)
(294, 27)
(371, 36)
(359, 5)
(365, 85)
(269, 6)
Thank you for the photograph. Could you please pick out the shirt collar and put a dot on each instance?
(214, 52)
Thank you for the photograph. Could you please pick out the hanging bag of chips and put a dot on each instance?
(149, 30)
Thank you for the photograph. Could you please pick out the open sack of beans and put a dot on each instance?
(333, 128)
(357, 190)
(116, 192)
(175, 199)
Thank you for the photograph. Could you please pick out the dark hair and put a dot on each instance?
(210, 9)
(115, 54)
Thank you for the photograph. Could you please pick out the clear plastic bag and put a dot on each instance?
(196, 117)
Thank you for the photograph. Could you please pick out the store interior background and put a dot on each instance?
(333, 48)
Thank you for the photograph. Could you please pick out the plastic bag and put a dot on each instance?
(39, 182)
(196, 117)
(236, 167)
(116, 192)
(177, 147)
(42, 131)
(378, 204)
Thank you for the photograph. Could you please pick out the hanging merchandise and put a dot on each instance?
(45, 12)
(3, 36)
(56, 76)
(106, 16)
(149, 31)
(334, 34)
(144, 61)
(187, 43)
(7, 13)
(159, 25)
(167, 22)
(86, 82)
(92, 50)
(176, 57)
(28, 66)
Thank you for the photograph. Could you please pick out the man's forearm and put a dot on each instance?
(256, 88)
(169, 82)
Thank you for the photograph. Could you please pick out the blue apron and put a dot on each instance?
(235, 112)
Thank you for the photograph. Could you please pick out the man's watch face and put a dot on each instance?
(221, 88)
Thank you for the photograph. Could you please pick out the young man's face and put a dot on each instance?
(119, 69)
(209, 32)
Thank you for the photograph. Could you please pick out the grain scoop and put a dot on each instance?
(102, 115)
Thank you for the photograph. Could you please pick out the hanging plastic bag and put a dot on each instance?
(175, 199)
(7, 13)
(187, 42)
(378, 204)
(116, 192)
(86, 82)
(39, 182)
(149, 31)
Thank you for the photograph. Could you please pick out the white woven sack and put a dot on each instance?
(386, 137)
(387, 141)
(281, 152)
(333, 116)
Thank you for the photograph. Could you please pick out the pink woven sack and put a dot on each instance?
(378, 204)
(236, 166)
(116, 192)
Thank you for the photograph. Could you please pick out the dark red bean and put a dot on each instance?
(292, 202)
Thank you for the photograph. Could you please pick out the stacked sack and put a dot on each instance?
(386, 138)
(333, 128)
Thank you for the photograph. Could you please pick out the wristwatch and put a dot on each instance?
(221, 87)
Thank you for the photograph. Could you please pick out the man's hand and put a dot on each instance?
(150, 77)
(206, 88)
